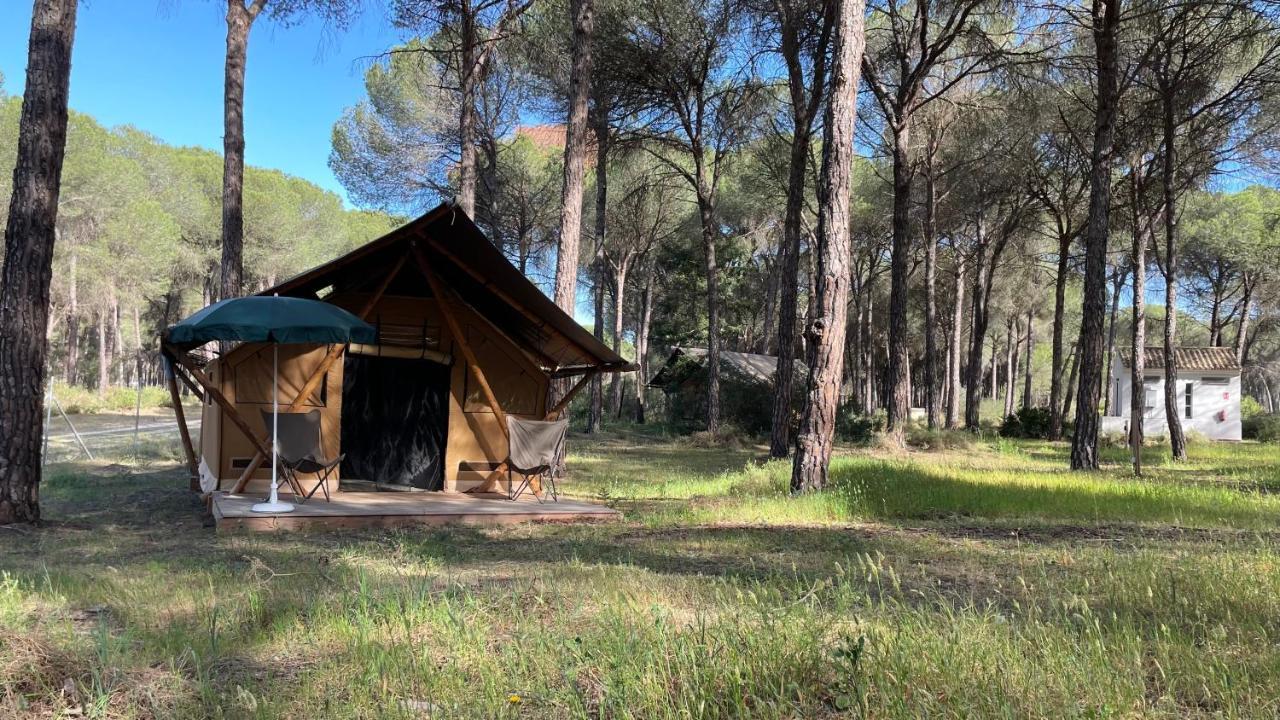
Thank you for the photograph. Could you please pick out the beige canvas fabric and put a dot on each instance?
(535, 443)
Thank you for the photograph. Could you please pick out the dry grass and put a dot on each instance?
(970, 582)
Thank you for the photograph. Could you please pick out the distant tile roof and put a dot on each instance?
(1187, 358)
(760, 368)
(546, 137)
(552, 137)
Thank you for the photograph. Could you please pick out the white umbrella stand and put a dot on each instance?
(274, 505)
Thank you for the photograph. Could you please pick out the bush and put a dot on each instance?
(1250, 407)
(857, 427)
(729, 437)
(79, 400)
(1031, 423)
(922, 438)
(1264, 427)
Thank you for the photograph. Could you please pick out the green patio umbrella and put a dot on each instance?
(277, 320)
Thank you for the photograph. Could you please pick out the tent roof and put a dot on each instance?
(464, 260)
(1187, 358)
(760, 368)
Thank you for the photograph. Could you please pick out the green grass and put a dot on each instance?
(986, 581)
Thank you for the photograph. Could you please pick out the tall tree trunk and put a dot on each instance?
(575, 159)
(1242, 329)
(789, 279)
(117, 343)
(1071, 382)
(1137, 381)
(1059, 325)
(995, 379)
(769, 321)
(1084, 445)
(1117, 284)
(73, 317)
(1215, 323)
(899, 400)
(595, 412)
(1010, 357)
(710, 234)
(805, 102)
(826, 329)
(1173, 418)
(977, 338)
(467, 80)
(239, 21)
(642, 342)
(104, 353)
(944, 395)
(1031, 345)
(27, 270)
(930, 299)
(957, 332)
(138, 349)
(619, 305)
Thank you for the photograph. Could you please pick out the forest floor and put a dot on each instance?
(976, 581)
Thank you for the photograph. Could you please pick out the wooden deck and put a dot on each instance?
(397, 509)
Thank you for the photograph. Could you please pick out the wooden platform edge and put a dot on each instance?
(274, 523)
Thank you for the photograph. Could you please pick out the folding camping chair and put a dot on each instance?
(300, 451)
(534, 447)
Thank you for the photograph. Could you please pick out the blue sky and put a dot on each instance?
(157, 65)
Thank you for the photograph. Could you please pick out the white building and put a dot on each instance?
(1208, 392)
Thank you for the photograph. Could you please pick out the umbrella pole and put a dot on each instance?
(274, 504)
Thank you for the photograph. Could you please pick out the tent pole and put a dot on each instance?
(540, 323)
(180, 415)
(227, 406)
(568, 397)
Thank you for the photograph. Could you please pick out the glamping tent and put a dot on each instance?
(463, 340)
(746, 387)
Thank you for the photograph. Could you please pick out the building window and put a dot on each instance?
(1188, 394)
(1149, 395)
(1215, 380)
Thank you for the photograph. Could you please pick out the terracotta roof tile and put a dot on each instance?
(552, 137)
(1187, 358)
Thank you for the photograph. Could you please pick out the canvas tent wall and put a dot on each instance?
(411, 403)
(746, 387)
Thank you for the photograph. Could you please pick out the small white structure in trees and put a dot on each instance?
(1208, 392)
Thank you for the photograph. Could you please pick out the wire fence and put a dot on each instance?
(113, 436)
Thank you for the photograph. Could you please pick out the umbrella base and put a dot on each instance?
(272, 507)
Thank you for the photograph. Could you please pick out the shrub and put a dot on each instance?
(1029, 422)
(729, 437)
(922, 438)
(1250, 407)
(1264, 427)
(79, 400)
(858, 427)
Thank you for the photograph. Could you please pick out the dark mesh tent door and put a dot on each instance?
(395, 415)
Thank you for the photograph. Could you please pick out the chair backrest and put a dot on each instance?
(299, 434)
(535, 444)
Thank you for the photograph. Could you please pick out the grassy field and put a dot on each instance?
(975, 581)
